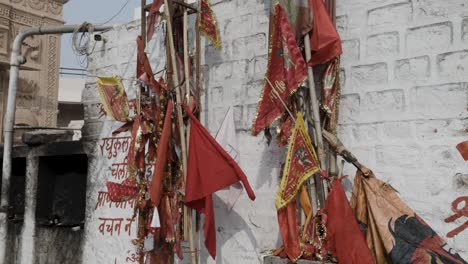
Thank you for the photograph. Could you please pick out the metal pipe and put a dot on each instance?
(16, 61)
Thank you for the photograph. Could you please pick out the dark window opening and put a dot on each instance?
(61, 190)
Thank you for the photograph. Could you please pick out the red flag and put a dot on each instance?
(161, 158)
(208, 24)
(345, 240)
(286, 71)
(153, 15)
(289, 228)
(210, 168)
(325, 42)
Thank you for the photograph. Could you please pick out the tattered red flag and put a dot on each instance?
(161, 158)
(210, 168)
(144, 70)
(325, 42)
(152, 18)
(286, 71)
(345, 240)
(208, 25)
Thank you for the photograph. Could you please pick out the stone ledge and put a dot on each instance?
(39, 137)
(278, 260)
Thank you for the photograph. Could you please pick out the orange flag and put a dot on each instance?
(208, 24)
(286, 71)
(325, 42)
(210, 168)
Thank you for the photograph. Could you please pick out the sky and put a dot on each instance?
(95, 12)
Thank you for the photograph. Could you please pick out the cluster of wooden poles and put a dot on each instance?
(184, 90)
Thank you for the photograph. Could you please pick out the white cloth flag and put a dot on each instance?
(226, 137)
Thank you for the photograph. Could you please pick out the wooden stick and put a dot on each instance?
(187, 95)
(318, 129)
(143, 23)
(179, 112)
(281, 100)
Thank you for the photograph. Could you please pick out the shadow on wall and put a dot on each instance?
(236, 224)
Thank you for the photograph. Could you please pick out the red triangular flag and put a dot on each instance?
(210, 168)
(286, 71)
(345, 239)
(325, 42)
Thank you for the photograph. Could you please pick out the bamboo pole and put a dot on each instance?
(187, 95)
(179, 113)
(318, 129)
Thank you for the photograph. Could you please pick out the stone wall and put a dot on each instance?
(403, 111)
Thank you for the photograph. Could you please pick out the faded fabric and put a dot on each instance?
(395, 234)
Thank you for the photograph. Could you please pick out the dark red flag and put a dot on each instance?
(325, 42)
(345, 239)
(161, 158)
(286, 70)
(210, 168)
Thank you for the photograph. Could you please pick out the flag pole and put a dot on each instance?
(187, 95)
(318, 128)
(179, 112)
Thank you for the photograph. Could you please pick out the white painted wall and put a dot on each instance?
(405, 94)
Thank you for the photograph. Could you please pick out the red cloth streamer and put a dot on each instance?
(152, 18)
(325, 42)
(161, 158)
(463, 149)
(209, 169)
(345, 239)
(289, 228)
(144, 67)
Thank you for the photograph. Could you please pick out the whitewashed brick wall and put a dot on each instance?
(403, 109)
(405, 99)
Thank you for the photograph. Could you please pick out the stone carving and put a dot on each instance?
(52, 78)
(37, 4)
(32, 49)
(27, 91)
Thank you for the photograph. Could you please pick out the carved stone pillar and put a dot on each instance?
(38, 78)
